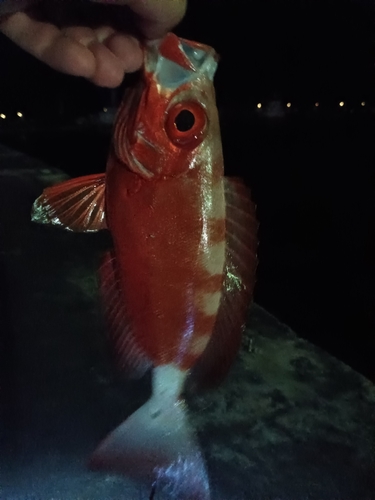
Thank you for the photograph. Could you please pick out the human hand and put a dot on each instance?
(98, 42)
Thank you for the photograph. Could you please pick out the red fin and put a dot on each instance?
(76, 205)
(129, 356)
(157, 445)
(240, 267)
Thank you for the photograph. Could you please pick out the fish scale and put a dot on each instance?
(170, 285)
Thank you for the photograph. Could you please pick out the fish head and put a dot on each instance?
(169, 124)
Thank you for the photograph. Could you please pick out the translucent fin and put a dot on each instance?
(157, 446)
(239, 280)
(129, 357)
(76, 205)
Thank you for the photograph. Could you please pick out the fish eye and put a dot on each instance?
(186, 124)
(184, 121)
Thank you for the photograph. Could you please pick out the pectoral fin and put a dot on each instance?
(76, 205)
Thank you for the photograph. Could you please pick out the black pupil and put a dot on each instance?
(184, 121)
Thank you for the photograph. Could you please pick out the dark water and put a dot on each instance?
(312, 177)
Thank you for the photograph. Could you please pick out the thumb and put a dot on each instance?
(155, 17)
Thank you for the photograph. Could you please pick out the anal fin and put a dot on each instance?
(130, 359)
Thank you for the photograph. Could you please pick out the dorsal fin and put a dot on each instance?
(76, 205)
(239, 280)
(129, 357)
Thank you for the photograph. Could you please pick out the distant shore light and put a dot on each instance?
(259, 105)
(363, 103)
(19, 114)
(105, 110)
(2, 116)
(316, 105)
(341, 104)
(288, 104)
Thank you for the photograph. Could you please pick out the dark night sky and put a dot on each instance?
(300, 50)
(296, 49)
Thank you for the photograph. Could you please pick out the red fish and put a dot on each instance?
(178, 282)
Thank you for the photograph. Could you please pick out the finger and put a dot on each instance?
(46, 42)
(115, 54)
(127, 49)
(156, 17)
(100, 55)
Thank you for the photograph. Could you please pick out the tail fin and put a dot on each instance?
(157, 445)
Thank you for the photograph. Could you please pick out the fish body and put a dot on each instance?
(171, 207)
(177, 284)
